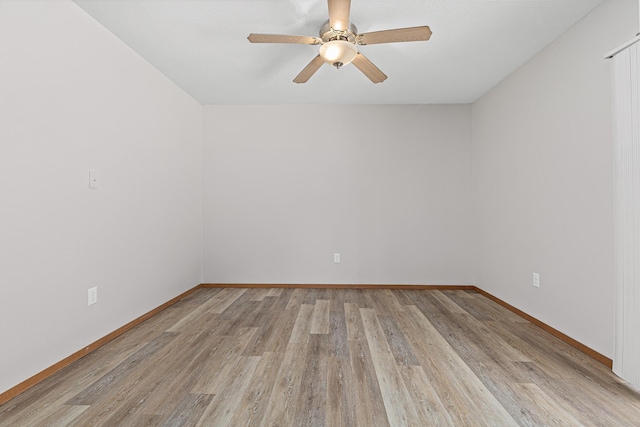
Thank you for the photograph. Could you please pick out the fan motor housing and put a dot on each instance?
(328, 34)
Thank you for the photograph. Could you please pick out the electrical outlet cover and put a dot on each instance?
(93, 295)
(536, 280)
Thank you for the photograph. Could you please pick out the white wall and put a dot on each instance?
(543, 186)
(388, 187)
(74, 98)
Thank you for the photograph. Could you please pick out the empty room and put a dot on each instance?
(319, 212)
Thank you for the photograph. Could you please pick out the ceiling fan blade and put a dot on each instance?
(309, 70)
(412, 34)
(279, 38)
(368, 69)
(339, 14)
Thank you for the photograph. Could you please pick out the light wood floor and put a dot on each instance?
(315, 357)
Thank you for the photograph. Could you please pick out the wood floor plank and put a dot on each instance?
(368, 402)
(280, 302)
(354, 296)
(428, 304)
(418, 330)
(431, 411)
(466, 398)
(263, 313)
(178, 310)
(320, 320)
(191, 355)
(390, 300)
(281, 332)
(550, 352)
(373, 299)
(125, 401)
(547, 411)
(141, 420)
(274, 292)
(189, 410)
(282, 408)
(224, 363)
(502, 386)
(296, 298)
(258, 294)
(311, 405)
(492, 360)
(64, 415)
(478, 335)
(591, 406)
(406, 296)
(337, 298)
(51, 394)
(400, 348)
(224, 299)
(310, 296)
(579, 363)
(319, 345)
(217, 304)
(241, 311)
(177, 386)
(465, 302)
(497, 311)
(92, 394)
(338, 339)
(398, 405)
(258, 315)
(302, 326)
(340, 393)
(273, 336)
(355, 330)
(229, 394)
(447, 303)
(609, 410)
(252, 406)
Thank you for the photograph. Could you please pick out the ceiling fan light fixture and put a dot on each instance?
(338, 52)
(339, 39)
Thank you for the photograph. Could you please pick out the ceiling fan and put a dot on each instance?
(338, 40)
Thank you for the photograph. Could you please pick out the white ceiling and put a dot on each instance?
(202, 46)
